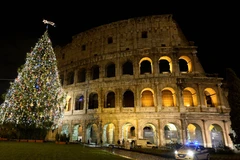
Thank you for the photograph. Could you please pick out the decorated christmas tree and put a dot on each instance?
(35, 99)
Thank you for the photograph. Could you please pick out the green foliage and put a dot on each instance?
(21, 131)
(8, 130)
(233, 84)
(3, 96)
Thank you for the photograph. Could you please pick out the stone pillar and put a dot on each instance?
(159, 133)
(156, 70)
(220, 97)
(201, 97)
(75, 78)
(158, 98)
(228, 140)
(205, 138)
(184, 129)
(175, 64)
(117, 100)
(179, 95)
(194, 62)
(137, 100)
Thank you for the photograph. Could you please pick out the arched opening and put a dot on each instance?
(171, 134)
(92, 134)
(147, 98)
(70, 78)
(216, 136)
(110, 70)
(94, 72)
(165, 65)
(185, 64)
(128, 99)
(168, 97)
(145, 65)
(79, 103)
(82, 75)
(77, 133)
(210, 97)
(108, 134)
(127, 68)
(194, 134)
(93, 101)
(110, 102)
(189, 97)
(149, 132)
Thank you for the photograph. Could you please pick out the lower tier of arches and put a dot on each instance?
(207, 129)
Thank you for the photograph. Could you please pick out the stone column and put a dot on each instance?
(205, 139)
(184, 129)
(220, 97)
(175, 64)
(201, 97)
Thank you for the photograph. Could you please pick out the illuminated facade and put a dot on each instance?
(140, 78)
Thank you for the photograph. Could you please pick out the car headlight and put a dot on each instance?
(176, 152)
(190, 153)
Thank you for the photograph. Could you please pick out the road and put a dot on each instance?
(136, 155)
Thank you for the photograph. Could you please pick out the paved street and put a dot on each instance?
(136, 155)
(141, 156)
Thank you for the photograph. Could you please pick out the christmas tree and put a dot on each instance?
(35, 99)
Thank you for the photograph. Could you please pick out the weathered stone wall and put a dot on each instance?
(125, 40)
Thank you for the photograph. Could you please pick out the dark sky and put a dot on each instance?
(213, 27)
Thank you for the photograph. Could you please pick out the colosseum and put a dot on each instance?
(140, 78)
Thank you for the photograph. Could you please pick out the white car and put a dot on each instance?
(192, 151)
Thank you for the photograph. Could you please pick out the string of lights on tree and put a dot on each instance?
(36, 96)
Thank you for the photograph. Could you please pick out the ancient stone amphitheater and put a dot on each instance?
(140, 78)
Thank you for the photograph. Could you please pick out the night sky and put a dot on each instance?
(213, 27)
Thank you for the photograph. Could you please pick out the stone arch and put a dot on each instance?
(145, 65)
(91, 133)
(110, 100)
(127, 68)
(150, 132)
(185, 64)
(128, 98)
(70, 77)
(65, 129)
(79, 102)
(128, 131)
(210, 97)
(147, 97)
(168, 97)
(93, 101)
(190, 97)
(110, 69)
(165, 64)
(81, 75)
(171, 133)
(217, 138)
(95, 70)
(77, 134)
(108, 133)
(194, 133)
